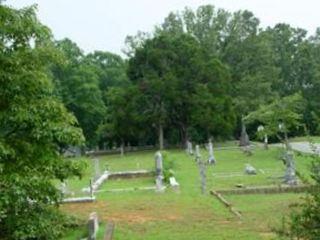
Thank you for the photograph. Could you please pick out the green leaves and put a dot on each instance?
(286, 111)
(181, 86)
(34, 126)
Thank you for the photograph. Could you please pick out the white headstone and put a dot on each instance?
(189, 148)
(250, 170)
(159, 183)
(173, 182)
(211, 159)
(122, 149)
(159, 176)
(198, 154)
(158, 163)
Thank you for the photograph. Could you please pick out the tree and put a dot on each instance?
(110, 68)
(123, 121)
(281, 116)
(237, 41)
(77, 83)
(171, 71)
(150, 70)
(34, 127)
(285, 42)
(212, 110)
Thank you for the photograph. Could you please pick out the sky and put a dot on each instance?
(104, 24)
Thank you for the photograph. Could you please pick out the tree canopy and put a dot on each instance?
(35, 126)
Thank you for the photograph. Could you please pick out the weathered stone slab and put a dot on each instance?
(93, 226)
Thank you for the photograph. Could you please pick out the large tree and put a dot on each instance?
(170, 70)
(237, 41)
(34, 126)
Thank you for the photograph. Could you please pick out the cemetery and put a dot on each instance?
(159, 120)
(208, 194)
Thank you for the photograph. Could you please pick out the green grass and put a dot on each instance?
(187, 214)
(315, 139)
(82, 233)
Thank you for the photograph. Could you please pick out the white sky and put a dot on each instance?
(104, 24)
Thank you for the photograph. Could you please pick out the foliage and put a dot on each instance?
(172, 73)
(169, 165)
(77, 84)
(34, 128)
(122, 116)
(304, 220)
(286, 112)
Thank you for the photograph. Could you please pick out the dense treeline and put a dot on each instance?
(194, 77)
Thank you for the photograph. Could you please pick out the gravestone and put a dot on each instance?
(93, 226)
(198, 154)
(173, 182)
(91, 188)
(189, 148)
(244, 138)
(122, 149)
(290, 175)
(250, 170)
(202, 169)
(265, 137)
(97, 172)
(158, 163)
(159, 174)
(159, 184)
(266, 142)
(211, 159)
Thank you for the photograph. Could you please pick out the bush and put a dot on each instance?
(169, 164)
(304, 220)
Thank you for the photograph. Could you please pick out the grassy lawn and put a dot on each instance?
(315, 139)
(187, 214)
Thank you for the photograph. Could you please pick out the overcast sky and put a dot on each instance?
(104, 24)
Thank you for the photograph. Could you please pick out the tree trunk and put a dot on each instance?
(184, 135)
(286, 142)
(122, 148)
(160, 136)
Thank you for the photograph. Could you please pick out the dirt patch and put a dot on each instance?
(106, 213)
(84, 209)
(138, 217)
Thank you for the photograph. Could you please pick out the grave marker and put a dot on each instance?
(93, 226)
(198, 155)
(202, 170)
(159, 173)
(189, 148)
(250, 170)
(97, 172)
(122, 149)
(290, 175)
(211, 159)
